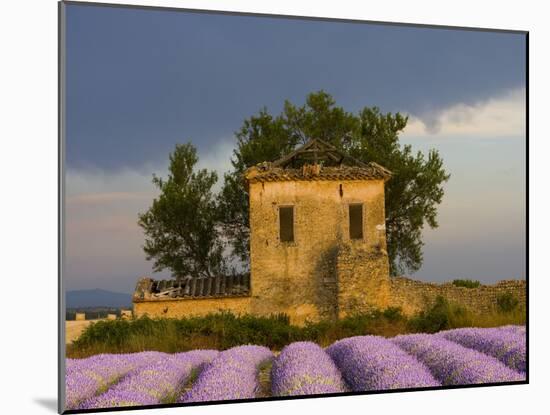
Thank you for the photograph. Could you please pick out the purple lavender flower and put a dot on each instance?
(156, 383)
(304, 368)
(453, 364)
(233, 374)
(85, 378)
(513, 328)
(507, 345)
(375, 363)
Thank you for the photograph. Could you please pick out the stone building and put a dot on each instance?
(317, 250)
(317, 244)
(316, 220)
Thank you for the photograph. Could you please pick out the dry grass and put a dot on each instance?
(493, 319)
(264, 379)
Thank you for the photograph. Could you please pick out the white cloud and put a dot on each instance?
(82, 185)
(95, 185)
(103, 238)
(499, 116)
(218, 158)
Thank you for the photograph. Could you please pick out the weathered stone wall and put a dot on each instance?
(177, 308)
(362, 285)
(298, 278)
(363, 280)
(413, 296)
(322, 274)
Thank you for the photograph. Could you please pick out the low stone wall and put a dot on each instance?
(413, 296)
(362, 284)
(177, 308)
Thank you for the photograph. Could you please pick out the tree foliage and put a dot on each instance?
(412, 194)
(181, 226)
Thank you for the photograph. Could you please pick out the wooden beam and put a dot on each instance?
(289, 157)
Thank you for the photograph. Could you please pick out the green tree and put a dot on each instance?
(181, 226)
(412, 194)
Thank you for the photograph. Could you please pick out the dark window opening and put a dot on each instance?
(356, 221)
(286, 224)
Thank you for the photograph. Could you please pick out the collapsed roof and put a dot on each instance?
(316, 160)
(148, 289)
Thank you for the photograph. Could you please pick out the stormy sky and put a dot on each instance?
(140, 81)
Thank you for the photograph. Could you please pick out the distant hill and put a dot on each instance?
(97, 298)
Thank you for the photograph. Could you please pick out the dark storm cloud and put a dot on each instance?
(139, 81)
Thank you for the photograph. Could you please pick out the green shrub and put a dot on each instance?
(110, 332)
(466, 283)
(224, 330)
(393, 314)
(220, 331)
(507, 302)
(433, 319)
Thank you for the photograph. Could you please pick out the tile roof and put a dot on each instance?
(276, 174)
(316, 160)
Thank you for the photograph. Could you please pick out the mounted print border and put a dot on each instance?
(260, 207)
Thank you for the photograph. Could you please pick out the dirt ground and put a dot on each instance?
(74, 328)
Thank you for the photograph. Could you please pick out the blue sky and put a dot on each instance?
(140, 81)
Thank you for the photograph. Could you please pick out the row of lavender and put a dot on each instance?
(454, 357)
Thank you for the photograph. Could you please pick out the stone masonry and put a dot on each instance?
(325, 271)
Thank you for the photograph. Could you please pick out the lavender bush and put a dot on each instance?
(375, 363)
(506, 344)
(88, 377)
(453, 357)
(156, 383)
(304, 368)
(233, 374)
(453, 364)
(513, 328)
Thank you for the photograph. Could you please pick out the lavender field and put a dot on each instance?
(362, 363)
